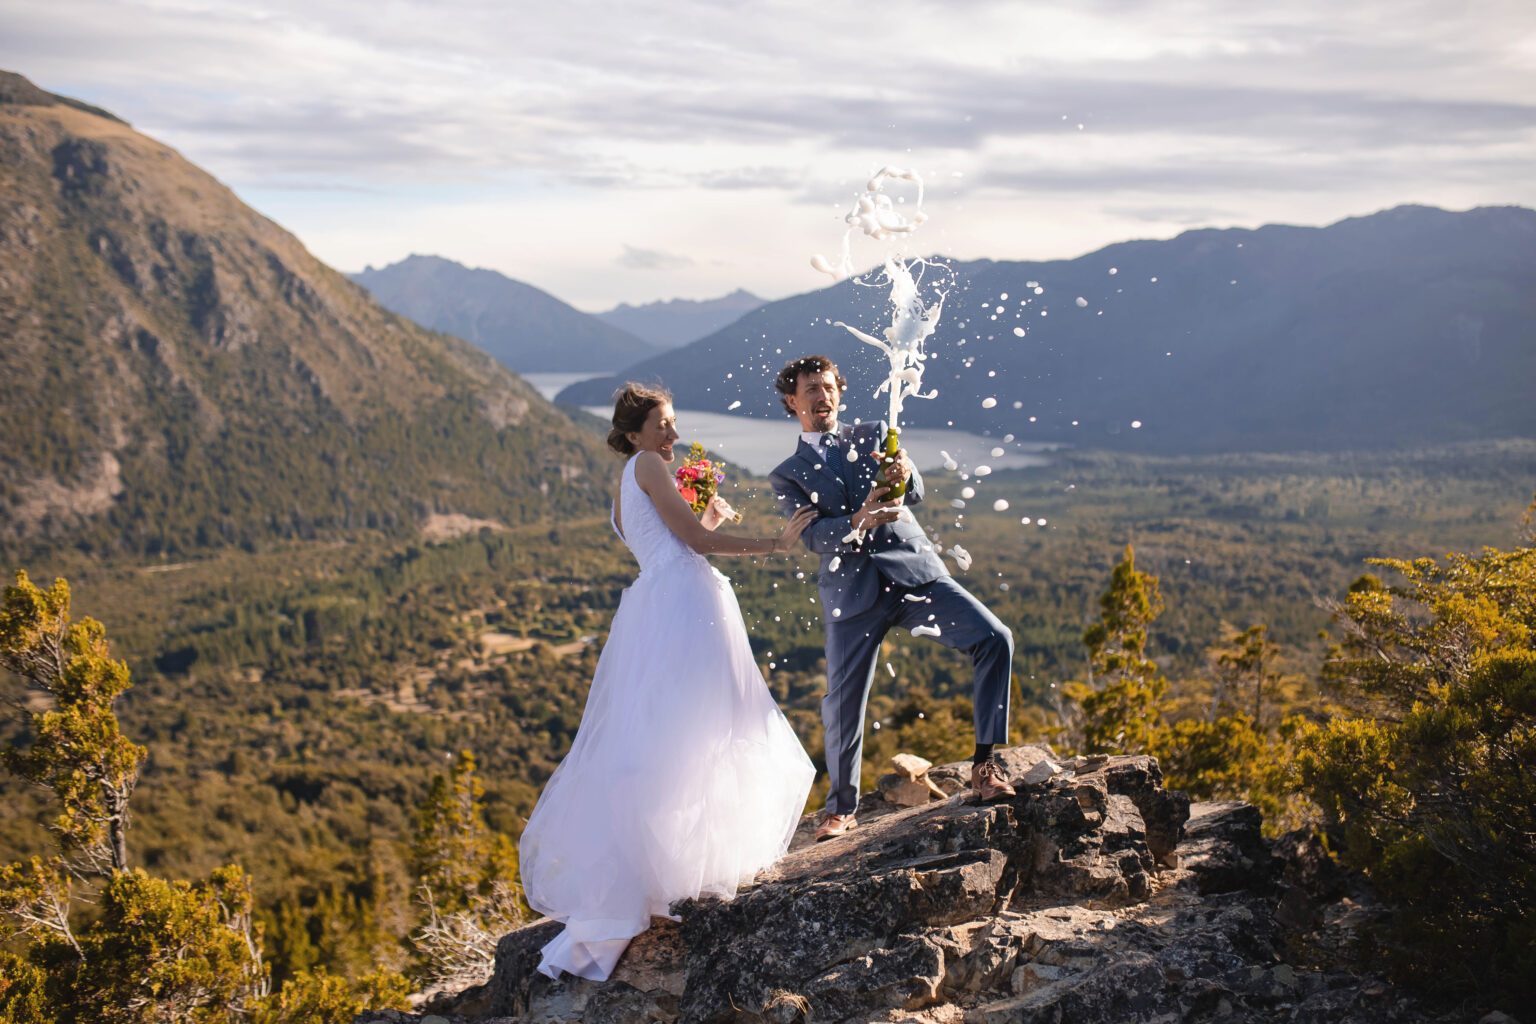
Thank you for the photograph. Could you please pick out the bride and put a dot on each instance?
(684, 778)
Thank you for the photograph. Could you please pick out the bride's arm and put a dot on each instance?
(652, 476)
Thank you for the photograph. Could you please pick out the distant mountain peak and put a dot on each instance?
(1411, 325)
(523, 327)
(672, 322)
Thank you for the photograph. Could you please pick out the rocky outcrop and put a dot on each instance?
(1095, 894)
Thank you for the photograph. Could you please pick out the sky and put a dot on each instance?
(637, 151)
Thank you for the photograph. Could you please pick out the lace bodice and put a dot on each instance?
(652, 542)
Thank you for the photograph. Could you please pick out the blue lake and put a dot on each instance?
(758, 445)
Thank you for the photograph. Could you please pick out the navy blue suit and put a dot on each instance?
(892, 578)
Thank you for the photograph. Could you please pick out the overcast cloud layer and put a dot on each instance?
(638, 151)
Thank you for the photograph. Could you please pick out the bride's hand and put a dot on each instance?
(718, 511)
(803, 517)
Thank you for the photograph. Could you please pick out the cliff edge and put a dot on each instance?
(1095, 894)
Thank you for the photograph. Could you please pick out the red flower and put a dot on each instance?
(689, 494)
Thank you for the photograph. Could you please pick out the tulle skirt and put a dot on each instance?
(684, 778)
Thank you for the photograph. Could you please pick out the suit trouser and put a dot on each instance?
(853, 647)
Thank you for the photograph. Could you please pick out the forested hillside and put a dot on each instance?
(181, 375)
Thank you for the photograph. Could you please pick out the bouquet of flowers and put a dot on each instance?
(698, 480)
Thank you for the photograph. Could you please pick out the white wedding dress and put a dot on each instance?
(684, 778)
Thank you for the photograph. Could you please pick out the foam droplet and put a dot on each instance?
(1018, 332)
(961, 556)
(967, 492)
(997, 453)
(835, 564)
(987, 403)
(1081, 302)
(1000, 505)
(733, 405)
(1135, 424)
(983, 470)
(923, 630)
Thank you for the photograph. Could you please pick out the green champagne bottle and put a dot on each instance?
(892, 442)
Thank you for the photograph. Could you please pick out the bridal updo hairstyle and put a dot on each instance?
(632, 403)
(789, 377)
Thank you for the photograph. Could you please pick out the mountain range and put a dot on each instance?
(182, 373)
(679, 321)
(525, 329)
(1409, 326)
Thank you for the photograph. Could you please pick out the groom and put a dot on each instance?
(889, 577)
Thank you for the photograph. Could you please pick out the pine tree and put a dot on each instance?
(154, 951)
(1122, 702)
(467, 878)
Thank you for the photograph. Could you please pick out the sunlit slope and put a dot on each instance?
(1410, 326)
(180, 373)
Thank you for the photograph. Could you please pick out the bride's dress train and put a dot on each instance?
(684, 778)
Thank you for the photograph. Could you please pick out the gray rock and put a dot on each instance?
(1224, 850)
(1054, 905)
(1041, 773)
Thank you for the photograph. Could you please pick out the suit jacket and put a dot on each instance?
(851, 574)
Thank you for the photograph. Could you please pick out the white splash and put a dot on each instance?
(876, 215)
(926, 630)
(733, 405)
(961, 556)
(949, 462)
(835, 564)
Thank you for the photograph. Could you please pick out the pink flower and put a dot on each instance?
(689, 494)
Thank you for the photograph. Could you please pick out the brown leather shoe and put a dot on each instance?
(988, 782)
(832, 826)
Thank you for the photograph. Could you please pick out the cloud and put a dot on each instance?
(651, 259)
(682, 122)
